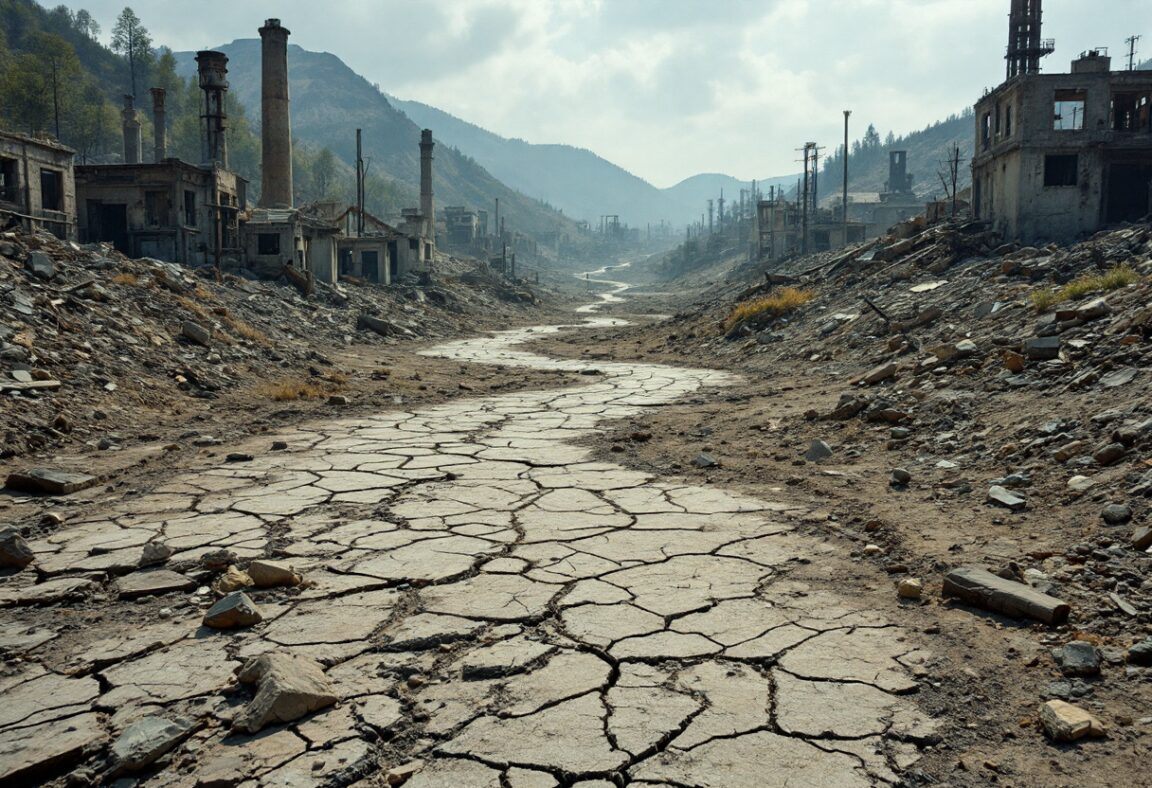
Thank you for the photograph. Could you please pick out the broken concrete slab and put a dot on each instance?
(146, 740)
(151, 582)
(289, 687)
(232, 612)
(270, 574)
(14, 550)
(1001, 497)
(28, 755)
(49, 482)
(992, 592)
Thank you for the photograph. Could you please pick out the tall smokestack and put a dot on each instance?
(159, 125)
(275, 125)
(131, 132)
(426, 206)
(213, 68)
(1025, 47)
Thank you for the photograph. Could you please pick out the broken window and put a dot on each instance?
(986, 130)
(156, 208)
(51, 190)
(1008, 121)
(9, 180)
(1130, 112)
(268, 243)
(1068, 109)
(1061, 169)
(414, 244)
(190, 208)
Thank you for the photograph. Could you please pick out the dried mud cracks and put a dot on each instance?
(567, 622)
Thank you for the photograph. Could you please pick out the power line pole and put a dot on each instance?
(1131, 42)
(804, 202)
(844, 199)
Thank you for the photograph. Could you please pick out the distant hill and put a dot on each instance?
(330, 101)
(695, 192)
(575, 180)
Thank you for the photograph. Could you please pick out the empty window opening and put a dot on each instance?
(51, 190)
(156, 208)
(1129, 191)
(9, 180)
(1061, 169)
(1130, 112)
(986, 129)
(190, 208)
(1068, 110)
(1008, 121)
(268, 243)
(414, 244)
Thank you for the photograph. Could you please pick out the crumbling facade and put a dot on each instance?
(1060, 156)
(37, 185)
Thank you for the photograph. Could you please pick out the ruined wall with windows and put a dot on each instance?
(37, 185)
(1059, 156)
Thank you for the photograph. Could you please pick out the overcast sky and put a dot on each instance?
(665, 88)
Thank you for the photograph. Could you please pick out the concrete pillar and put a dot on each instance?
(426, 206)
(275, 124)
(213, 70)
(131, 132)
(159, 125)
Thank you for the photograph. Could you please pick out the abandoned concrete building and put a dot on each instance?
(168, 209)
(780, 228)
(37, 185)
(1060, 156)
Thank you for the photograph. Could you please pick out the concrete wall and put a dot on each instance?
(322, 258)
(25, 160)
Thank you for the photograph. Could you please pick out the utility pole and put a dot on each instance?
(844, 203)
(804, 203)
(359, 186)
(1131, 42)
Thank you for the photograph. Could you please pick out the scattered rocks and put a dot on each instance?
(1116, 514)
(194, 332)
(233, 579)
(1064, 722)
(1142, 539)
(705, 460)
(982, 588)
(900, 477)
(270, 574)
(910, 588)
(232, 612)
(41, 265)
(288, 688)
(818, 450)
(398, 775)
(1001, 497)
(1110, 454)
(155, 553)
(339, 399)
(14, 550)
(1078, 658)
(48, 481)
(1042, 348)
(880, 374)
(1141, 653)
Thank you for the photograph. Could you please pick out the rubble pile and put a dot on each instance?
(84, 327)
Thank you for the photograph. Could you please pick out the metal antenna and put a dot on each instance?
(1131, 42)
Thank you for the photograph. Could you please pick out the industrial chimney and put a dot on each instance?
(426, 206)
(159, 125)
(131, 132)
(213, 68)
(275, 125)
(1025, 47)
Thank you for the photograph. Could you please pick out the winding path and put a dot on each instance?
(488, 599)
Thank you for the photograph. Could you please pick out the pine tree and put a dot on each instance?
(131, 39)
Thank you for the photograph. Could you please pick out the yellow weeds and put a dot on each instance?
(778, 304)
(1086, 284)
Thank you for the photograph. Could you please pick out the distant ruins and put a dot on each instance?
(1059, 156)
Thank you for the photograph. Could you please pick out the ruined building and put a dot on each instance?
(37, 185)
(168, 209)
(1059, 156)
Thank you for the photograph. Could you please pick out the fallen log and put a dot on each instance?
(991, 592)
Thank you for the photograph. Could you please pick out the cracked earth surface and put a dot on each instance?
(483, 597)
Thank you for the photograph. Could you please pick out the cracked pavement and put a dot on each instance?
(483, 597)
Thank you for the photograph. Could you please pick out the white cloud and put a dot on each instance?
(665, 88)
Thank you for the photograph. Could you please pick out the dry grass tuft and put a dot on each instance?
(1086, 284)
(778, 304)
(125, 278)
(288, 390)
(246, 330)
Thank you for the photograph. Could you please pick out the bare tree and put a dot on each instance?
(131, 39)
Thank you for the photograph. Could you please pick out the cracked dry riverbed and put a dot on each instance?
(483, 597)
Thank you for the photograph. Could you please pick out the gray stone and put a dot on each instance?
(901, 476)
(818, 450)
(153, 581)
(146, 740)
(233, 611)
(1065, 722)
(1116, 514)
(194, 332)
(705, 460)
(14, 550)
(1142, 539)
(1001, 497)
(1042, 348)
(1141, 653)
(966, 348)
(27, 753)
(155, 553)
(1110, 454)
(1118, 377)
(289, 687)
(1078, 658)
(1094, 309)
(41, 265)
(880, 374)
(51, 482)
